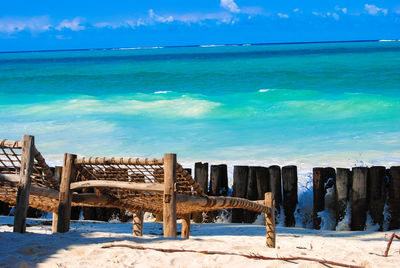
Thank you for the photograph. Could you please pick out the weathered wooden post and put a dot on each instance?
(219, 180)
(138, 223)
(270, 219)
(24, 186)
(343, 186)
(394, 198)
(240, 177)
(201, 177)
(64, 202)
(185, 232)
(289, 179)
(359, 199)
(252, 194)
(318, 195)
(57, 176)
(276, 185)
(376, 194)
(218, 186)
(263, 185)
(169, 208)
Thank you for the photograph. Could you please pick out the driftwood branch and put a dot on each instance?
(250, 256)
(390, 243)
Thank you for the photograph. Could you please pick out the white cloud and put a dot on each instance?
(32, 24)
(344, 10)
(230, 5)
(73, 25)
(335, 16)
(157, 18)
(107, 25)
(374, 10)
(283, 16)
(296, 10)
(328, 14)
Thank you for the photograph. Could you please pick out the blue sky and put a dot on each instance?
(41, 25)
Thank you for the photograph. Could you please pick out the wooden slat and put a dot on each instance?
(136, 186)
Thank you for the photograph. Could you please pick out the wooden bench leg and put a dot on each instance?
(185, 232)
(270, 220)
(24, 187)
(138, 223)
(169, 200)
(64, 204)
(54, 223)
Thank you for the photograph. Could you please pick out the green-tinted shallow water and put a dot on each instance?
(305, 102)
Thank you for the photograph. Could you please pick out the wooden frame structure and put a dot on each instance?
(134, 184)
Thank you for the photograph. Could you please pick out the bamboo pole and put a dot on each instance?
(138, 223)
(169, 207)
(117, 161)
(270, 220)
(11, 144)
(24, 187)
(185, 232)
(137, 186)
(64, 203)
(220, 202)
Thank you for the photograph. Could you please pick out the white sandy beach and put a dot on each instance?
(82, 246)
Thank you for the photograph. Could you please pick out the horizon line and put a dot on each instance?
(198, 45)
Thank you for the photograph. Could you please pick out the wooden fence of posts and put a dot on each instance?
(367, 190)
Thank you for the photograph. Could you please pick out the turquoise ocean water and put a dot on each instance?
(302, 103)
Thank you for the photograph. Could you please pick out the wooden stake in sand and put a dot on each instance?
(289, 179)
(359, 199)
(343, 186)
(240, 177)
